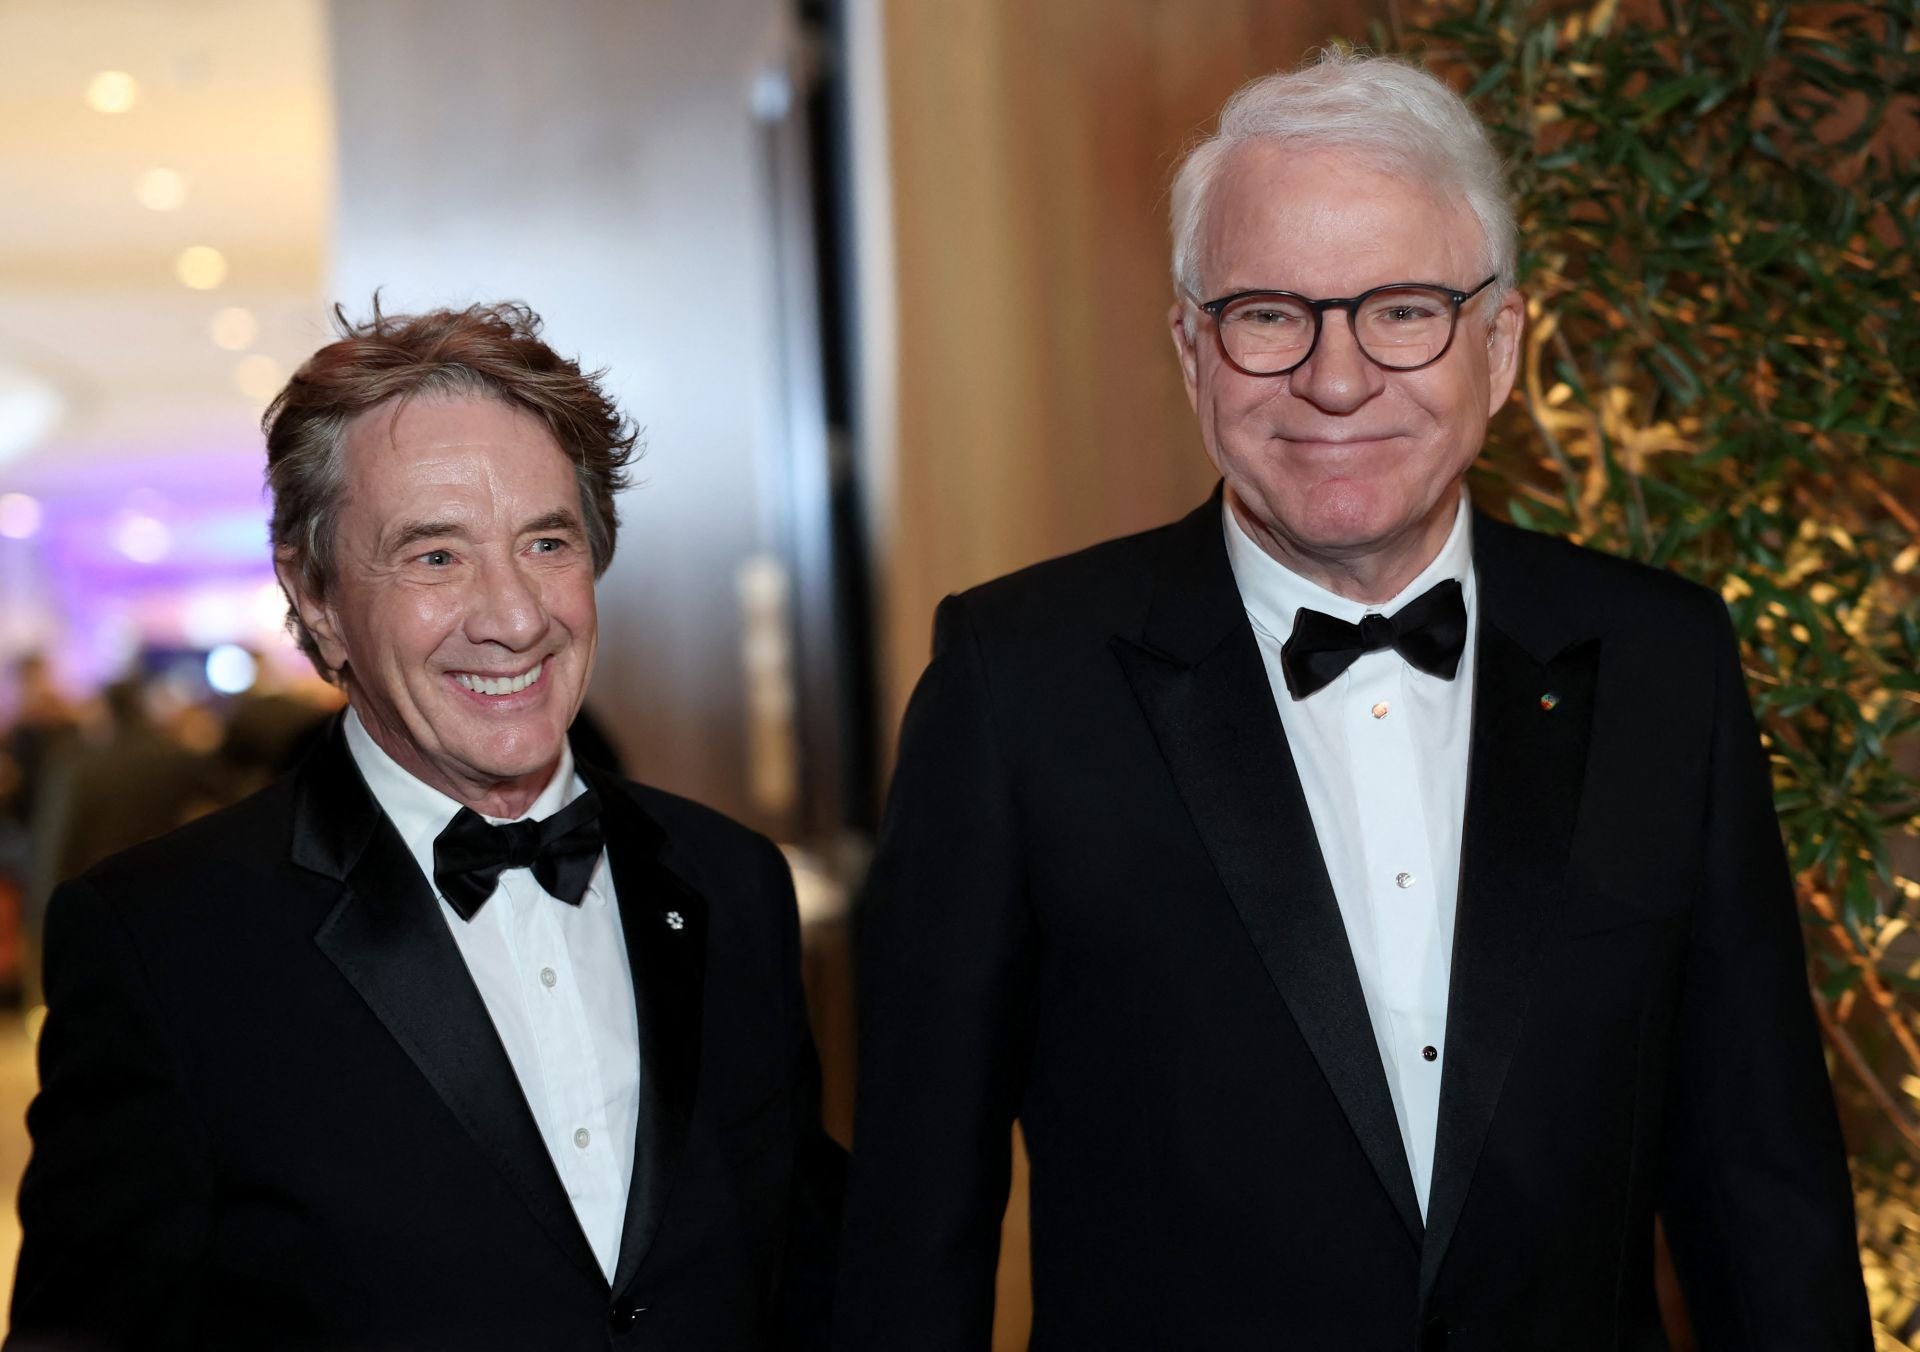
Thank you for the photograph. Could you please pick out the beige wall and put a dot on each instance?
(1038, 403)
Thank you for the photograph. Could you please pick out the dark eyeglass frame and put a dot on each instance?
(1351, 304)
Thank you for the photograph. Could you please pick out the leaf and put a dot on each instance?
(1839, 982)
(1489, 79)
(1675, 375)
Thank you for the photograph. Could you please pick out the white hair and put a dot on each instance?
(1396, 115)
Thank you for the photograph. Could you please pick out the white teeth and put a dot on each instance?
(504, 685)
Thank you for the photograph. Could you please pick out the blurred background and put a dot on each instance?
(883, 281)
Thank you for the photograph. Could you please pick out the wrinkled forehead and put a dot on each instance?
(1311, 204)
(433, 457)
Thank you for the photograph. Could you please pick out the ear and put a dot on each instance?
(1185, 340)
(314, 611)
(1503, 349)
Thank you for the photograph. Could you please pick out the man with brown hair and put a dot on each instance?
(444, 1040)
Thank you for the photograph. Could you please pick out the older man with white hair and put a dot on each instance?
(1373, 914)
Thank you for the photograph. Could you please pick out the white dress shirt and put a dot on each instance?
(1382, 756)
(555, 980)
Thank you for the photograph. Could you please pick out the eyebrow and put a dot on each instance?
(409, 533)
(558, 519)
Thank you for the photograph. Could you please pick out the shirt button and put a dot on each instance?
(547, 978)
(582, 1136)
(1429, 1054)
(1380, 710)
(1403, 880)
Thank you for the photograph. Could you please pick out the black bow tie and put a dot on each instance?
(1430, 631)
(470, 855)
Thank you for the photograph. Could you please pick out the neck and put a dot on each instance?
(1371, 575)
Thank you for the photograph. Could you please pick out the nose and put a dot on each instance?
(505, 606)
(1337, 377)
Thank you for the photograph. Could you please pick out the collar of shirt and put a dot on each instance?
(1274, 594)
(420, 812)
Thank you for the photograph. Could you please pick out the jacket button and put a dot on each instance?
(1434, 1336)
(624, 1314)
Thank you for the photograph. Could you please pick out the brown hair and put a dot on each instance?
(486, 350)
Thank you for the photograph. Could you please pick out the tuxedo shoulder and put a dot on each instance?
(687, 821)
(1556, 573)
(1098, 587)
(730, 857)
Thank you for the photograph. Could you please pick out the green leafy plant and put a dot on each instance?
(1721, 257)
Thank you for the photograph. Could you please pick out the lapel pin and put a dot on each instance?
(1548, 700)
(675, 920)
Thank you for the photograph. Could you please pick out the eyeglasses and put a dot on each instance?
(1401, 326)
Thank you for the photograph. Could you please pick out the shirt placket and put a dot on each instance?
(575, 1101)
(1400, 893)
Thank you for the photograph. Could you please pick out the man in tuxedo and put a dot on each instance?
(1373, 914)
(444, 1040)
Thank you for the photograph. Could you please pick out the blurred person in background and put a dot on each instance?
(270, 727)
(446, 1040)
(1373, 914)
(44, 726)
(37, 738)
(44, 722)
(132, 782)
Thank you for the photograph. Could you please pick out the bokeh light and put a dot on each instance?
(201, 267)
(112, 91)
(20, 516)
(161, 189)
(142, 538)
(231, 669)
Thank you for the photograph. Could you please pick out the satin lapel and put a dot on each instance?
(665, 923)
(1533, 705)
(387, 937)
(1202, 684)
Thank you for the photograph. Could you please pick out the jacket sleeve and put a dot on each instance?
(116, 1202)
(1756, 1198)
(948, 953)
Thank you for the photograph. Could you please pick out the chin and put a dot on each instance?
(1336, 525)
(510, 757)
(1350, 515)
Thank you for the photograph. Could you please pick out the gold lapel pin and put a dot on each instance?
(1548, 700)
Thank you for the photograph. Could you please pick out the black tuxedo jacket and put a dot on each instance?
(274, 1112)
(1099, 906)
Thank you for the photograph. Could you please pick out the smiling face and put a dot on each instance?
(1348, 473)
(461, 611)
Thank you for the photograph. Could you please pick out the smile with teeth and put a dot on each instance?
(499, 685)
